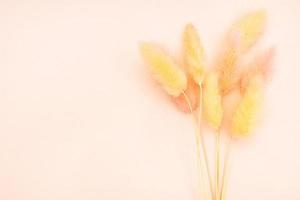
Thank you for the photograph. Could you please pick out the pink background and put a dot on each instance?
(81, 119)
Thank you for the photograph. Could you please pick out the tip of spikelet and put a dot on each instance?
(245, 116)
(193, 53)
(165, 70)
(212, 101)
(251, 27)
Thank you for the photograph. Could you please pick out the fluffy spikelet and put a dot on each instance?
(261, 65)
(212, 101)
(230, 103)
(251, 27)
(242, 35)
(227, 63)
(165, 70)
(244, 118)
(193, 53)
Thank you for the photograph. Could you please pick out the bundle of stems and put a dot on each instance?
(227, 97)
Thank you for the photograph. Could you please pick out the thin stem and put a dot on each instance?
(200, 167)
(217, 167)
(225, 168)
(202, 140)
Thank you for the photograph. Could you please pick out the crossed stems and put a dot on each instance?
(219, 193)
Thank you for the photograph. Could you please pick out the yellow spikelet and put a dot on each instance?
(165, 70)
(227, 63)
(212, 101)
(242, 35)
(230, 103)
(244, 118)
(250, 27)
(193, 53)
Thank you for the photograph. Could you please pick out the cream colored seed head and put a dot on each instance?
(243, 34)
(228, 72)
(227, 63)
(165, 70)
(244, 118)
(193, 53)
(212, 101)
(251, 27)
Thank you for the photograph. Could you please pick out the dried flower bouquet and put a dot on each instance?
(227, 96)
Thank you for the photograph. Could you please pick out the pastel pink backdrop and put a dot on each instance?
(80, 118)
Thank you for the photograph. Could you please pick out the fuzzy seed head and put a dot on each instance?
(251, 26)
(244, 118)
(227, 63)
(212, 101)
(261, 65)
(165, 70)
(193, 53)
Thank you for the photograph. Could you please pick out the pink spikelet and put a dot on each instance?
(261, 65)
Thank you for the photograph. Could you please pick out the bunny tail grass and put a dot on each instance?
(164, 69)
(251, 26)
(245, 115)
(212, 101)
(227, 63)
(262, 65)
(193, 53)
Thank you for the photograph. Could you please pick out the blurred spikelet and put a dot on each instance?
(227, 63)
(193, 53)
(165, 70)
(243, 34)
(244, 118)
(261, 65)
(230, 103)
(212, 101)
(251, 26)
